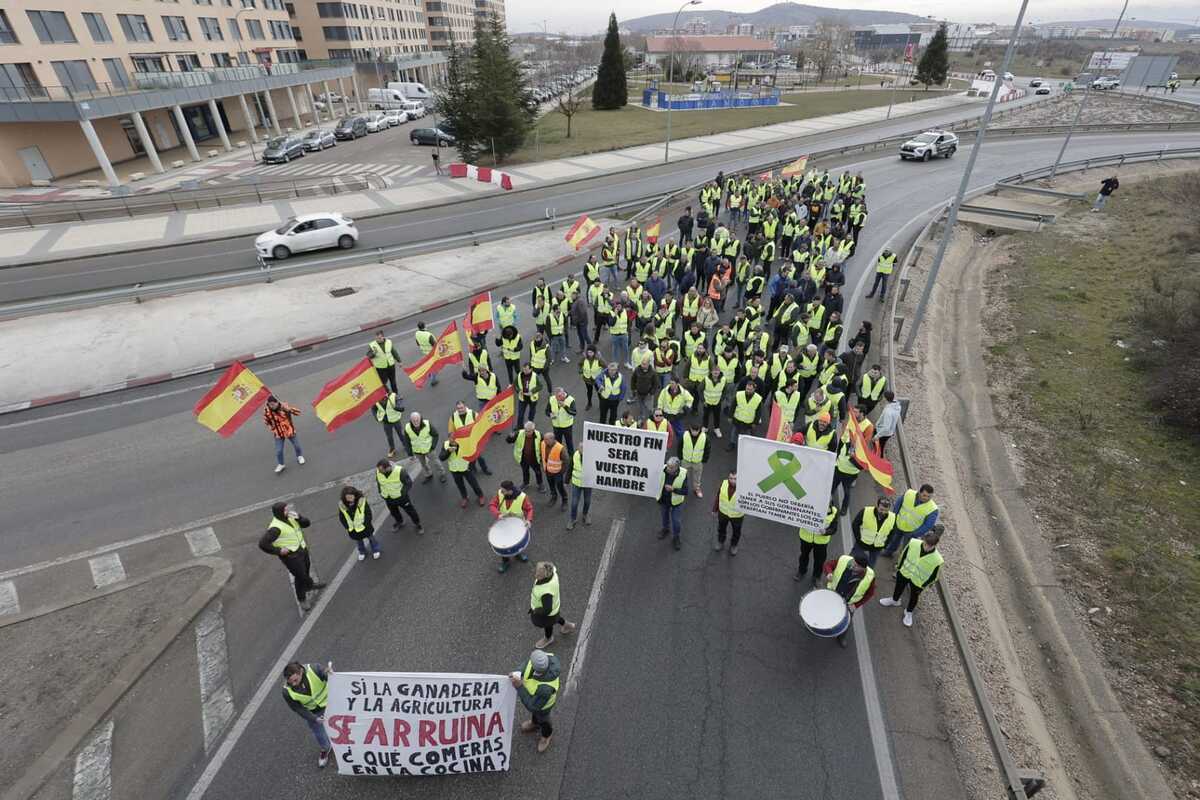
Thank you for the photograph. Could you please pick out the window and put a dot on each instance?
(117, 75)
(280, 29)
(135, 27)
(329, 10)
(97, 27)
(210, 27)
(19, 81)
(339, 33)
(74, 74)
(273, 5)
(7, 34)
(255, 28)
(249, 4)
(51, 27)
(147, 63)
(177, 30)
(296, 34)
(291, 9)
(203, 2)
(235, 32)
(222, 60)
(188, 62)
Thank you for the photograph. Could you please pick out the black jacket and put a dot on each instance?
(265, 542)
(368, 523)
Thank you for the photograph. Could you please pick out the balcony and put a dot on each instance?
(151, 90)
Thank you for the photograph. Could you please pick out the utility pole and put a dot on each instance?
(952, 216)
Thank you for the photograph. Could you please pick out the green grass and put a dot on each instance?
(1108, 470)
(597, 131)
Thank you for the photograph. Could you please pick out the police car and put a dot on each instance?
(928, 145)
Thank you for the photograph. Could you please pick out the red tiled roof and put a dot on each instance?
(706, 44)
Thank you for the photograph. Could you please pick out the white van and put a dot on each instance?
(412, 90)
(414, 109)
(385, 98)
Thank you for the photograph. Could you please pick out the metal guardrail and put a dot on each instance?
(29, 215)
(1028, 216)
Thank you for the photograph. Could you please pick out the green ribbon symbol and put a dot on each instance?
(784, 469)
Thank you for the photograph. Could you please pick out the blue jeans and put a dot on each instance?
(670, 518)
(318, 731)
(576, 493)
(1101, 199)
(581, 330)
(279, 448)
(361, 544)
(895, 540)
(558, 346)
(620, 348)
(610, 275)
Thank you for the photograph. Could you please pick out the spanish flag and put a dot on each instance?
(795, 168)
(581, 232)
(765, 176)
(777, 429)
(446, 350)
(232, 401)
(653, 232)
(348, 396)
(479, 315)
(866, 453)
(495, 416)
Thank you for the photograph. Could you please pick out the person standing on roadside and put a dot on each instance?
(544, 602)
(425, 342)
(278, 419)
(1107, 187)
(420, 437)
(383, 359)
(726, 511)
(394, 488)
(390, 413)
(537, 685)
(685, 224)
(918, 569)
(305, 690)
(354, 512)
(437, 161)
(672, 494)
(284, 538)
(888, 421)
(916, 514)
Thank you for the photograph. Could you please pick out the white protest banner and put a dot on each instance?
(627, 460)
(412, 723)
(783, 482)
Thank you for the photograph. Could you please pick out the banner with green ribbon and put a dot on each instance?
(784, 469)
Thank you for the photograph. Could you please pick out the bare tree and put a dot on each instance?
(569, 104)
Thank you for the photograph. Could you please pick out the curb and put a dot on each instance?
(295, 345)
(138, 663)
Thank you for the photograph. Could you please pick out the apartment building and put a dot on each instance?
(450, 21)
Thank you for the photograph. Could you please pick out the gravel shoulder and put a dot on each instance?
(1102, 108)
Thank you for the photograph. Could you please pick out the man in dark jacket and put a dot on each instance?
(1107, 187)
(305, 691)
(685, 226)
(284, 538)
(537, 686)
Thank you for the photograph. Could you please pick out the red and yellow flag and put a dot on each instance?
(493, 417)
(479, 315)
(446, 350)
(765, 176)
(232, 401)
(777, 429)
(348, 396)
(582, 232)
(654, 231)
(866, 451)
(795, 168)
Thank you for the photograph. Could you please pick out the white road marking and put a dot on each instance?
(203, 541)
(107, 569)
(888, 784)
(589, 615)
(270, 681)
(9, 602)
(212, 656)
(93, 766)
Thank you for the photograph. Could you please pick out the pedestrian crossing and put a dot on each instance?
(328, 169)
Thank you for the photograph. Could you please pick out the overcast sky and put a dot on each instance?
(588, 17)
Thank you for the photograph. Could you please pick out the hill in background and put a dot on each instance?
(779, 15)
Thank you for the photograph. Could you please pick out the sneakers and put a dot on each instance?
(420, 531)
(522, 557)
(362, 556)
(279, 468)
(376, 554)
(698, 492)
(718, 545)
(482, 502)
(570, 524)
(662, 534)
(462, 503)
(568, 628)
(543, 744)
(908, 619)
(443, 477)
(528, 726)
(544, 642)
(541, 488)
(717, 432)
(397, 523)
(503, 567)
(323, 759)
(733, 549)
(678, 545)
(299, 459)
(391, 453)
(887, 601)
(587, 518)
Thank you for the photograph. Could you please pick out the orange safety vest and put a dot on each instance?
(552, 460)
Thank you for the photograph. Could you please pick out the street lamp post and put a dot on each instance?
(952, 216)
(671, 73)
(1083, 100)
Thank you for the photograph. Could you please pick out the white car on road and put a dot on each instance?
(376, 122)
(1104, 83)
(307, 232)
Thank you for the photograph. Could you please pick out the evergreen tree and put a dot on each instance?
(502, 114)
(452, 102)
(934, 65)
(610, 92)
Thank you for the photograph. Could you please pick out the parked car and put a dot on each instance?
(376, 121)
(929, 144)
(307, 232)
(1036, 82)
(350, 128)
(319, 139)
(1043, 89)
(434, 136)
(415, 109)
(1104, 83)
(283, 149)
(395, 116)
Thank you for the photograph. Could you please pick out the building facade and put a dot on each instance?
(708, 51)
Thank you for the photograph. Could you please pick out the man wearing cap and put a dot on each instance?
(537, 686)
(852, 578)
(671, 494)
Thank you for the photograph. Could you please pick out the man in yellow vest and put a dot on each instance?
(461, 417)
(726, 511)
(747, 404)
(918, 570)
(537, 686)
(883, 270)
(284, 538)
(610, 385)
(425, 343)
(816, 544)
(871, 528)
(383, 359)
(673, 491)
(390, 412)
(394, 487)
(462, 471)
(579, 491)
(510, 501)
(544, 604)
(916, 514)
(552, 456)
(560, 408)
(694, 449)
(870, 389)
(845, 472)
(852, 578)
(306, 691)
(420, 439)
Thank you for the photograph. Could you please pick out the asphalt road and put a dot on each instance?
(699, 680)
(476, 213)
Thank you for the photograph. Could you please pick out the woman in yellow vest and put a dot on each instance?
(544, 602)
(306, 691)
(726, 511)
(537, 685)
(285, 539)
(918, 569)
(354, 512)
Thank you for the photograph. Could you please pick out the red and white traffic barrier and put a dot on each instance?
(481, 174)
